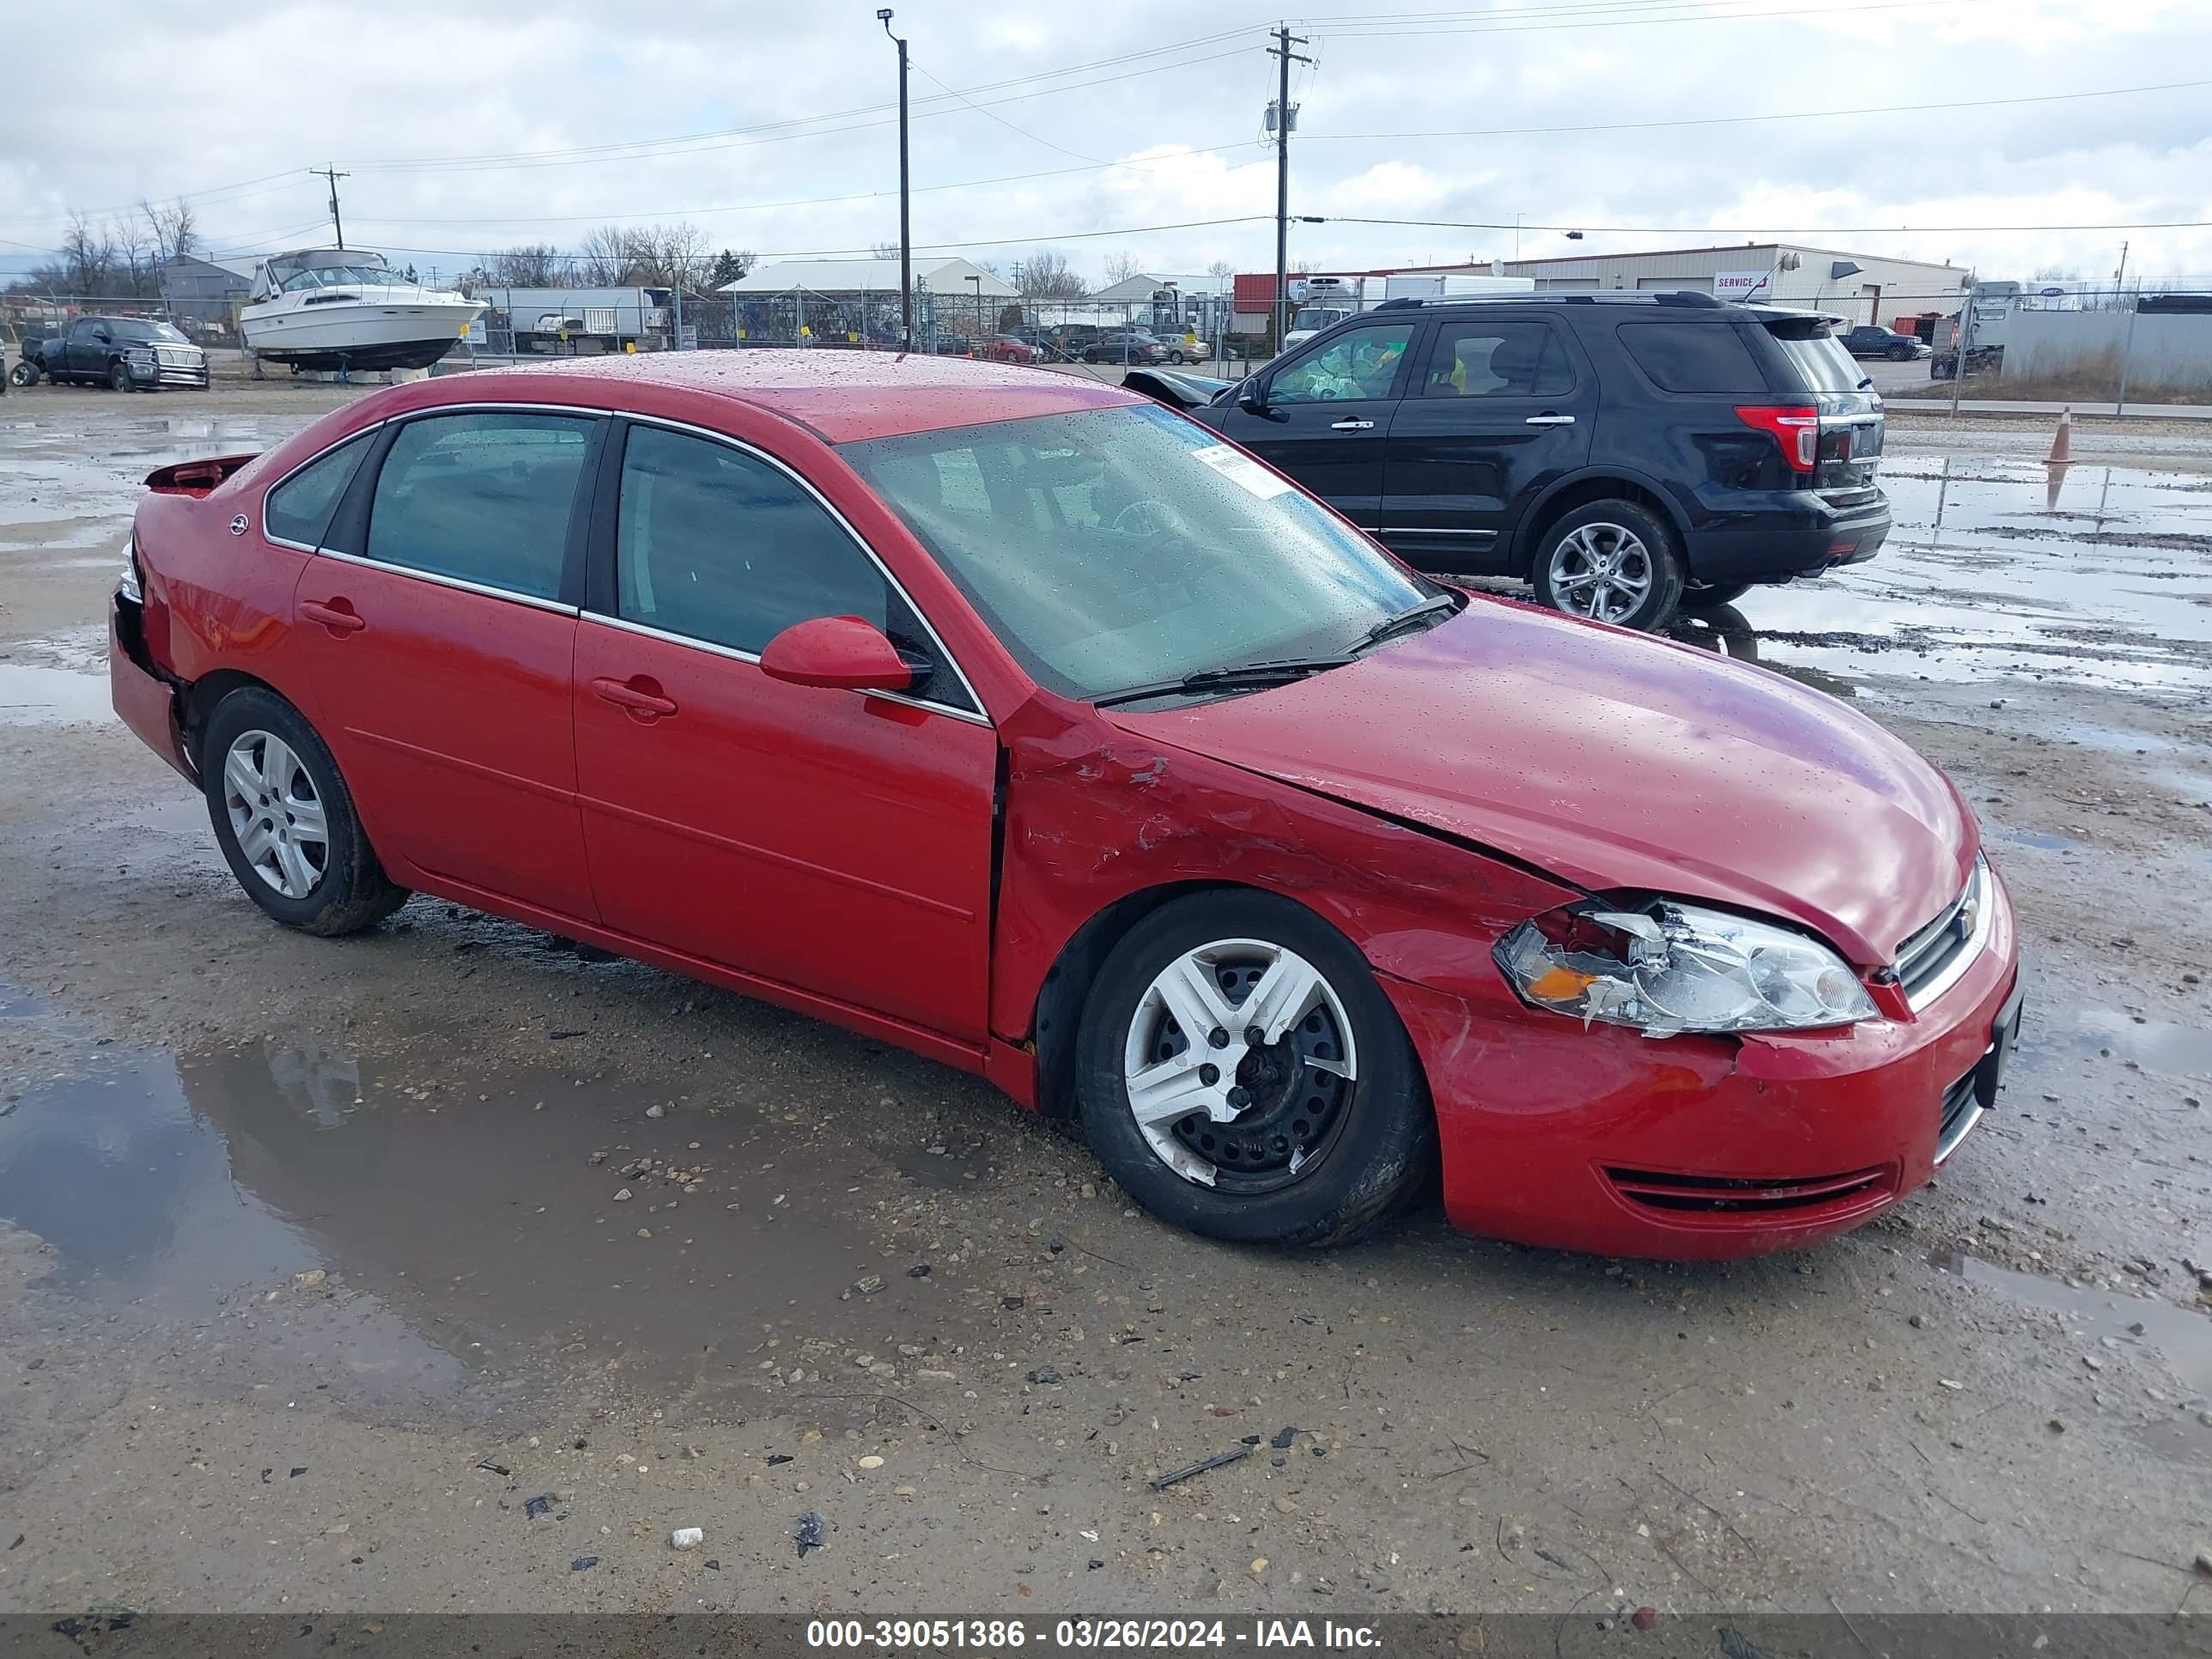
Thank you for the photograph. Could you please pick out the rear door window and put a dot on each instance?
(1490, 358)
(1695, 357)
(298, 509)
(482, 497)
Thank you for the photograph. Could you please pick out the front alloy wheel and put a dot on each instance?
(1241, 1073)
(1239, 1064)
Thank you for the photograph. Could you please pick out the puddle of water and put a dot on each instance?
(2182, 1338)
(2178, 1051)
(2042, 839)
(174, 1186)
(1988, 573)
(32, 695)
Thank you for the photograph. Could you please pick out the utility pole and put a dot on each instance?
(1284, 41)
(906, 226)
(2120, 276)
(337, 223)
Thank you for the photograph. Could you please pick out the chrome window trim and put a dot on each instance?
(1981, 892)
(711, 648)
(945, 653)
(461, 583)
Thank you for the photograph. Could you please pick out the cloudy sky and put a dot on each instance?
(1123, 128)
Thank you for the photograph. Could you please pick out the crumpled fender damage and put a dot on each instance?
(1093, 816)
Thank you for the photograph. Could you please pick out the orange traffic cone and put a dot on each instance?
(2061, 442)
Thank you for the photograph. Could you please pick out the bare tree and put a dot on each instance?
(606, 259)
(1120, 267)
(1047, 276)
(87, 257)
(885, 250)
(172, 228)
(671, 255)
(137, 273)
(531, 265)
(1221, 270)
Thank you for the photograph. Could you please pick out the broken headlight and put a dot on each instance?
(1663, 968)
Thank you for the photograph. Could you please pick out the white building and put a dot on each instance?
(1864, 287)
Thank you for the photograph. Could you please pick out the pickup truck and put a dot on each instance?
(126, 353)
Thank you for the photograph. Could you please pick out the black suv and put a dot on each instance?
(1625, 453)
(1872, 340)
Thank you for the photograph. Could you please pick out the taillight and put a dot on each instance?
(1795, 427)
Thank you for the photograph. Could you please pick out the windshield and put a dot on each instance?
(344, 277)
(126, 328)
(1821, 359)
(1316, 317)
(1122, 547)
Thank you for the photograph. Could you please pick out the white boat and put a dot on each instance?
(341, 308)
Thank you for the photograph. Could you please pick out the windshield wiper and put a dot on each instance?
(1235, 675)
(1398, 622)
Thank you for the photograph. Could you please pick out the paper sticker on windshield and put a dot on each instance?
(1242, 470)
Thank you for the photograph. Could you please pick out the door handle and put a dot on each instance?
(1551, 420)
(640, 696)
(336, 614)
(1351, 425)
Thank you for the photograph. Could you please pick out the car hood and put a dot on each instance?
(1616, 760)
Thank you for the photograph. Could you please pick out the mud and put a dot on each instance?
(350, 1209)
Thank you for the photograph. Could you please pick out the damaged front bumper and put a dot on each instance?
(1700, 1146)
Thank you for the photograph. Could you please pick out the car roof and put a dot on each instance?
(1682, 305)
(844, 397)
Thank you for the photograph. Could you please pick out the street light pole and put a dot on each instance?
(906, 226)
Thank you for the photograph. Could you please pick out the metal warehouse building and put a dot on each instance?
(1862, 287)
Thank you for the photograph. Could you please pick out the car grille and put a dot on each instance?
(1690, 1197)
(1962, 1108)
(1934, 956)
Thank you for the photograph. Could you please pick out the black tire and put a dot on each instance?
(1900, 353)
(1378, 1145)
(1174, 357)
(1091, 356)
(1660, 550)
(352, 892)
(119, 376)
(26, 372)
(1707, 596)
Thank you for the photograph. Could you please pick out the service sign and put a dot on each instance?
(1742, 285)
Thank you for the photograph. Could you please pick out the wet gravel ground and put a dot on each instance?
(325, 1261)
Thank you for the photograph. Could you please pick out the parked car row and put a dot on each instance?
(128, 353)
(1191, 814)
(1624, 453)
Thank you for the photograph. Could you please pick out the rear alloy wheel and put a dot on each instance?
(26, 372)
(1611, 562)
(119, 376)
(1242, 1074)
(285, 821)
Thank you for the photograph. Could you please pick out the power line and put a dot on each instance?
(1768, 230)
(1784, 115)
(920, 247)
(799, 201)
(1643, 18)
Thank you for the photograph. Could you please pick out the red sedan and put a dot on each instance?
(1020, 721)
(1010, 348)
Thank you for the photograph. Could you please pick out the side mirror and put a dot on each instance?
(1253, 394)
(842, 653)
